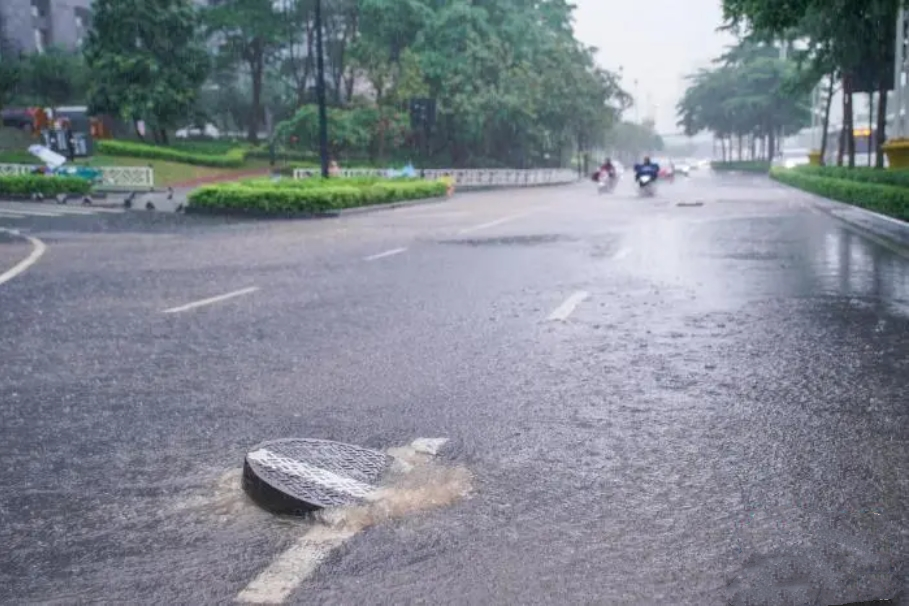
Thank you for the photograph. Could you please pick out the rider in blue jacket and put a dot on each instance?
(651, 169)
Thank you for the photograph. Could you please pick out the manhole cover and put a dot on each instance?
(690, 204)
(297, 476)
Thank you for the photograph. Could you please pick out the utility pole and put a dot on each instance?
(320, 92)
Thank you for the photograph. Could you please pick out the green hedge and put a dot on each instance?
(881, 198)
(261, 197)
(897, 178)
(749, 166)
(26, 185)
(232, 159)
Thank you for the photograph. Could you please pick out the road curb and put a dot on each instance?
(896, 232)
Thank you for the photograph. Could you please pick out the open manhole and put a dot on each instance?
(298, 476)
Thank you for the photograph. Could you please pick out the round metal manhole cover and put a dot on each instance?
(297, 476)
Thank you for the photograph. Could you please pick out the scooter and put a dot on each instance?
(606, 183)
(647, 185)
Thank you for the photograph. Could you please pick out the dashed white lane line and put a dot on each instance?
(493, 223)
(276, 583)
(567, 308)
(387, 253)
(38, 249)
(218, 299)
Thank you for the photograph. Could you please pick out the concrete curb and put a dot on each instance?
(893, 230)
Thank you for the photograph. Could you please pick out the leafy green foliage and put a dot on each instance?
(751, 92)
(311, 196)
(746, 166)
(233, 158)
(146, 60)
(26, 185)
(879, 197)
(52, 78)
(349, 130)
(894, 177)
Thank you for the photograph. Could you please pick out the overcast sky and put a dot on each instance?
(656, 42)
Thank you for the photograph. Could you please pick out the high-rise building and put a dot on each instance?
(36, 25)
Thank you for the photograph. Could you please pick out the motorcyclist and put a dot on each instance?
(608, 168)
(651, 169)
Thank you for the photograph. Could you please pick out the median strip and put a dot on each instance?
(211, 300)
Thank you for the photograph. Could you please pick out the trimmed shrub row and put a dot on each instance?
(748, 166)
(897, 178)
(263, 198)
(881, 198)
(25, 185)
(232, 159)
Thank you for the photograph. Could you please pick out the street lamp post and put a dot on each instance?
(320, 92)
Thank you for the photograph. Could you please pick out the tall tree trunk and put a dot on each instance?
(881, 132)
(828, 103)
(257, 72)
(753, 145)
(164, 138)
(740, 148)
(870, 149)
(771, 144)
(841, 145)
(849, 119)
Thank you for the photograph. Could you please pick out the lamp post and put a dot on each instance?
(320, 92)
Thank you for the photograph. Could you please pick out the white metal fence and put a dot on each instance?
(467, 178)
(113, 178)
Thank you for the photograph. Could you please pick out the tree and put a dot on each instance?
(248, 33)
(145, 61)
(751, 98)
(53, 78)
(10, 68)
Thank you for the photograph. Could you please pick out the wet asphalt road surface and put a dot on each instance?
(720, 417)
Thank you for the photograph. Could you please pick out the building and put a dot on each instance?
(36, 25)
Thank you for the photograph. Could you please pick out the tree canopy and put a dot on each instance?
(750, 92)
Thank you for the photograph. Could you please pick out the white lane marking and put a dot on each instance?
(315, 474)
(29, 212)
(492, 223)
(567, 308)
(288, 571)
(10, 215)
(275, 584)
(624, 252)
(387, 253)
(218, 299)
(38, 249)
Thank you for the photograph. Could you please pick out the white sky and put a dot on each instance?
(656, 42)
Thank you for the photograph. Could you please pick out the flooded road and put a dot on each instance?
(698, 398)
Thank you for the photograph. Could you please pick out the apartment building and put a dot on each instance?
(36, 25)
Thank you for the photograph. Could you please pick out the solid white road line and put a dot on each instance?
(275, 584)
(4, 215)
(24, 211)
(567, 308)
(38, 248)
(387, 253)
(218, 299)
(492, 223)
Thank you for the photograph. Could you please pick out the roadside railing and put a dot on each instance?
(113, 178)
(470, 178)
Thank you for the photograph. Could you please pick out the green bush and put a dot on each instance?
(26, 185)
(748, 166)
(232, 159)
(319, 196)
(897, 178)
(882, 198)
